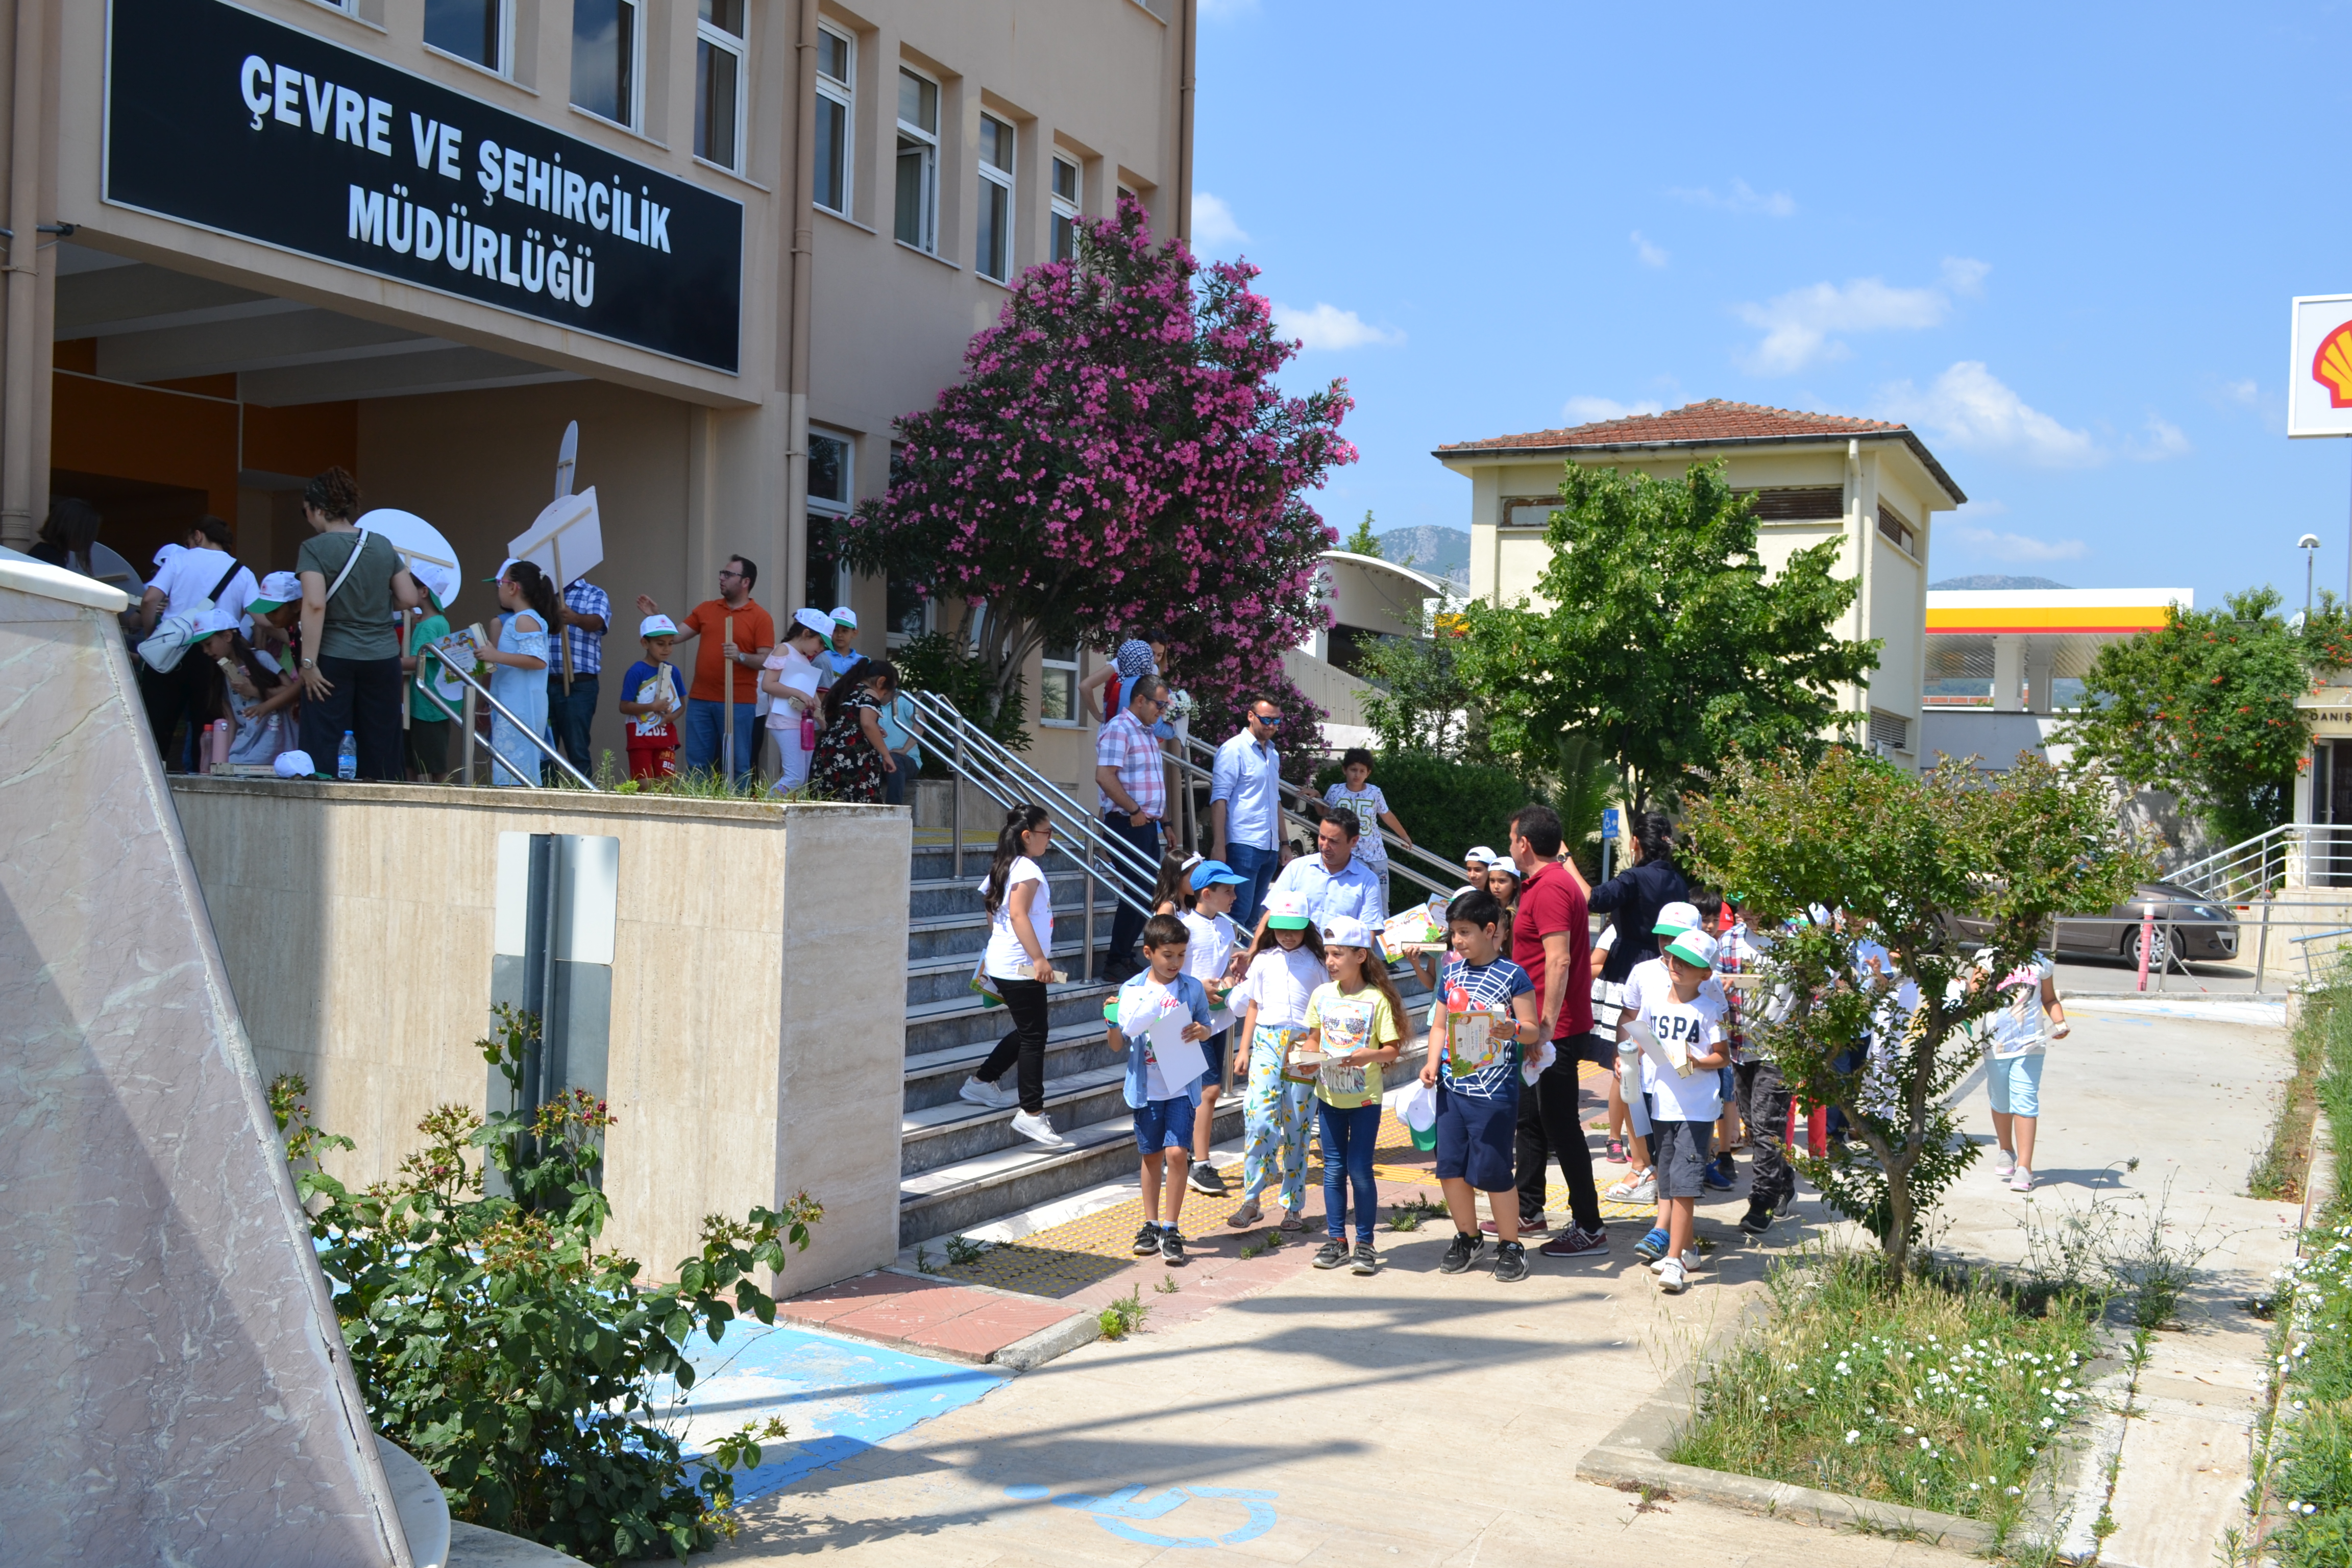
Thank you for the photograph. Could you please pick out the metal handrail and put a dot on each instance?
(2252, 862)
(1307, 797)
(1004, 778)
(1186, 764)
(467, 675)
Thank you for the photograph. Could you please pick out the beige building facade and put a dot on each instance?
(1871, 485)
(732, 239)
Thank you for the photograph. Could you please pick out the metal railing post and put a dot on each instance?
(2262, 946)
(469, 720)
(1088, 970)
(955, 813)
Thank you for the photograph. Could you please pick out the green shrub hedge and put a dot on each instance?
(1446, 807)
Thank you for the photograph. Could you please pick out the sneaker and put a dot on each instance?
(1171, 1246)
(1527, 1227)
(1687, 1263)
(1653, 1246)
(1147, 1240)
(1463, 1253)
(1575, 1243)
(2004, 1161)
(1039, 1128)
(1715, 1176)
(1333, 1253)
(1672, 1279)
(1292, 1220)
(2020, 1180)
(1758, 1220)
(1248, 1214)
(1364, 1260)
(1510, 1262)
(1616, 1151)
(1642, 1187)
(1205, 1179)
(993, 1095)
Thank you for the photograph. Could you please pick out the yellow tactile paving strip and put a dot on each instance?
(1085, 1251)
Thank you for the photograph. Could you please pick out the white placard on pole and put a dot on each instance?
(566, 541)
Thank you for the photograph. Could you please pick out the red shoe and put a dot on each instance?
(1538, 1228)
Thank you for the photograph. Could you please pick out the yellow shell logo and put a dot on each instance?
(2332, 366)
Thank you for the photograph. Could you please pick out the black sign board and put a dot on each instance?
(224, 118)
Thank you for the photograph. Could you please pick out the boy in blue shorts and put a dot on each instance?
(1163, 1105)
(1486, 1018)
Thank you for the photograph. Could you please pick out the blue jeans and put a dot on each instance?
(706, 724)
(568, 718)
(1259, 866)
(1348, 1140)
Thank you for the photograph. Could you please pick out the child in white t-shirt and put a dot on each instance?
(1211, 958)
(1161, 1096)
(1284, 968)
(1679, 1028)
(2015, 1039)
(1363, 798)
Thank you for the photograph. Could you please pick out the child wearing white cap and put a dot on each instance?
(1679, 1028)
(652, 698)
(844, 655)
(1283, 970)
(792, 677)
(1356, 1025)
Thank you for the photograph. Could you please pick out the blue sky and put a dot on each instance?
(2059, 241)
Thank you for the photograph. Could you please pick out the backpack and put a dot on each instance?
(170, 641)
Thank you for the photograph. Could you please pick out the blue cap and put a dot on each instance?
(1209, 871)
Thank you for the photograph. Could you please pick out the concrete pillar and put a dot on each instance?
(2039, 661)
(2008, 672)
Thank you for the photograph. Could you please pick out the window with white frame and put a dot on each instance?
(836, 101)
(1057, 683)
(472, 30)
(1891, 730)
(829, 490)
(917, 220)
(719, 83)
(1064, 237)
(995, 255)
(607, 45)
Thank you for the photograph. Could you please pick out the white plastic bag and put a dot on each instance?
(1418, 1109)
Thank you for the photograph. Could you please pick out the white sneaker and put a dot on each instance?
(1672, 1277)
(1687, 1263)
(1636, 1189)
(1040, 1128)
(2004, 1161)
(994, 1096)
(2020, 1180)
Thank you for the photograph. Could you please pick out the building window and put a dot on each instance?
(604, 53)
(1891, 524)
(829, 490)
(472, 30)
(995, 258)
(907, 608)
(1891, 730)
(1057, 684)
(836, 98)
(1799, 503)
(1065, 210)
(918, 220)
(719, 83)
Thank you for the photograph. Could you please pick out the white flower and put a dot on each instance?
(1923, 1442)
(2047, 1423)
(1908, 1430)
(1854, 1436)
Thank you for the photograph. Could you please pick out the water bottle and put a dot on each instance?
(808, 733)
(346, 758)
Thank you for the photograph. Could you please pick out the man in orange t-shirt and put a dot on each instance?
(706, 700)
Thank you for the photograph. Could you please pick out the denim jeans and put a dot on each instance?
(706, 724)
(568, 718)
(1259, 866)
(1348, 1140)
(893, 785)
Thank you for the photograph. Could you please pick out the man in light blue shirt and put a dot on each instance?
(1245, 809)
(1332, 880)
(896, 718)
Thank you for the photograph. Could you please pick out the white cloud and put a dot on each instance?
(1965, 274)
(2165, 439)
(1213, 224)
(1799, 325)
(1329, 327)
(2013, 547)
(2243, 392)
(1651, 255)
(1970, 407)
(1593, 410)
(1739, 199)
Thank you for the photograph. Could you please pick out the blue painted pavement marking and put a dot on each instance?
(838, 1396)
(1118, 1511)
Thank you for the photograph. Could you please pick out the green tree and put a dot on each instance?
(1419, 701)
(1664, 641)
(1363, 541)
(1891, 853)
(2204, 707)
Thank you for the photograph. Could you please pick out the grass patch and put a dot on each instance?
(2281, 1171)
(1125, 1315)
(1407, 1216)
(1944, 1395)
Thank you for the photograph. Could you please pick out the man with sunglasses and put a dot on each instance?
(719, 663)
(1129, 776)
(1245, 809)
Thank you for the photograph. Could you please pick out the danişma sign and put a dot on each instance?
(220, 118)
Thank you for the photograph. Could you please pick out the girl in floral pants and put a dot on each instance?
(1285, 965)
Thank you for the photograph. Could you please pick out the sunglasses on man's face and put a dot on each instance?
(1271, 720)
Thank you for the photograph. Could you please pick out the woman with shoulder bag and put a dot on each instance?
(351, 583)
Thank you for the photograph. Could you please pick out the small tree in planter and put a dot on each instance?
(1890, 856)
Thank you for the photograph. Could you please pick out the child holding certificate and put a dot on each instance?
(1487, 1016)
(1354, 1029)
(1678, 1027)
(1162, 1017)
(1284, 968)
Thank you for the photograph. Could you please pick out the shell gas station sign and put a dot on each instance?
(2319, 367)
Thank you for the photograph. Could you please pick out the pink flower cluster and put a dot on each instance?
(1118, 462)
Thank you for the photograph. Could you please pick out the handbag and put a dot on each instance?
(168, 642)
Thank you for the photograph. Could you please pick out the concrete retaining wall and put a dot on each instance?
(758, 986)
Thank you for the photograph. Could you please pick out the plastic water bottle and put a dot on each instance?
(346, 758)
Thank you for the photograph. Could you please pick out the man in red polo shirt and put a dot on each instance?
(1551, 939)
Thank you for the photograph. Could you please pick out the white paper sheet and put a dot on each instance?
(1668, 1057)
(1182, 1061)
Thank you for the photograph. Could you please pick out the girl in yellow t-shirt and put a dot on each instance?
(1354, 1024)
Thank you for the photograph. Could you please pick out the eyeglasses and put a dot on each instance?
(1271, 720)
(723, 575)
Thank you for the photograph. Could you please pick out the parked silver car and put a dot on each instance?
(2186, 926)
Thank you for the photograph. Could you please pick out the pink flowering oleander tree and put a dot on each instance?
(1116, 462)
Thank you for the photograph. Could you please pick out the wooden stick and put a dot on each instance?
(727, 744)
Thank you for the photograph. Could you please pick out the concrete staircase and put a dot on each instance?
(961, 1164)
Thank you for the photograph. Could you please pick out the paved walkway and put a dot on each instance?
(1322, 1417)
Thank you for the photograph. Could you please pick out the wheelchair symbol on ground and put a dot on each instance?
(1119, 1512)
